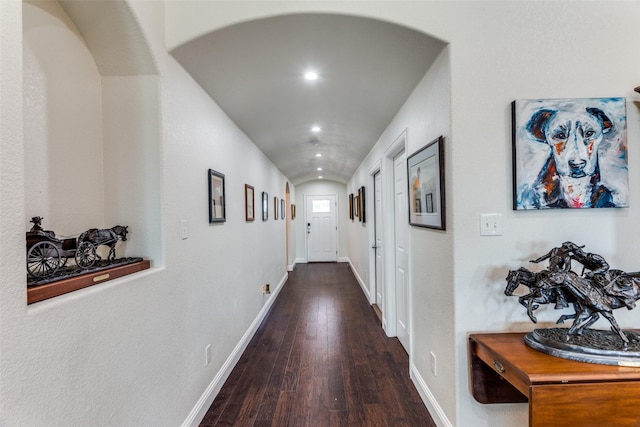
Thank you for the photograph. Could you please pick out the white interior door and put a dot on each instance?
(401, 253)
(321, 220)
(377, 212)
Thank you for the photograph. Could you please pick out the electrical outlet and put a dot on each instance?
(207, 355)
(433, 364)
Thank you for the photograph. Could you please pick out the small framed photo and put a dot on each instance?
(216, 197)
(283, 213)
(293, 211)
(361, 201)
(275, 208)
(356, 207)
(351, 206)
(265, 206)
(425, 169)
(248, 203)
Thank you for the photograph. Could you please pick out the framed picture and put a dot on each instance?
(283, 213)
(356, 207)
(425, 170)
(351, 206)
(570, 153)
(216, 197)
(275, 208)
(248, 203)
(361, 209)
(293, 211)
(265, 206)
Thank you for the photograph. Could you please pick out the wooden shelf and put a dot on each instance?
(503, 369)
(50, 290)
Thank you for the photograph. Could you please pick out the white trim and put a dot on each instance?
(389, 315)
(301, 260)
(372, 230)
(359, 279)
(343, 259)
(204, 403)
(290, 267)
(436, 412)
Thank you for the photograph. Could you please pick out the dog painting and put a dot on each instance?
(570, 153)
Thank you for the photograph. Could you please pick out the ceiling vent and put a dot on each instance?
(314, 140)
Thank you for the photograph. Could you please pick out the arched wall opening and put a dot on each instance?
(91, 123)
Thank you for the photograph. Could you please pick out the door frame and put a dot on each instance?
(385, 166)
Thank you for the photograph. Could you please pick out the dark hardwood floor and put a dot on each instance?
(320, 358)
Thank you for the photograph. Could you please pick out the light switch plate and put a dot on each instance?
(491, 225)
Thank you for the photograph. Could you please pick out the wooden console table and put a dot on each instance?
(503, 369)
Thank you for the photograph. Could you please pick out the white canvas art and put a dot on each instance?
(570, 153)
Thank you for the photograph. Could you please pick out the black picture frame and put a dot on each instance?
(217, 211)
(249, 211)
(362, 201)
(426, 186)
(265, 206)
(351, 206)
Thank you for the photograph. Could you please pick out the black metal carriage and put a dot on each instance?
(46, 253)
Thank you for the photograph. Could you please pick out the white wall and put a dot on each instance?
(321, 187)
(63, 123)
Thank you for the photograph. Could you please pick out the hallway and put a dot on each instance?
(320, 358)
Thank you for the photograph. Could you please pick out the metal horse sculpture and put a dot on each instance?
(598, 291)
(541, 291)
(596, 300)
(108, 237)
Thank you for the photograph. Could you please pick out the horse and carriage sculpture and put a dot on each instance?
(47, 254)
(598, 290)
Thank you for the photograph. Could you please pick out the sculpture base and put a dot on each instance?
(593, 346)
(98, 275)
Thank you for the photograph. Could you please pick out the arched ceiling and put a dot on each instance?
(254, 72)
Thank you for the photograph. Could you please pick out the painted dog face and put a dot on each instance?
(574, 138)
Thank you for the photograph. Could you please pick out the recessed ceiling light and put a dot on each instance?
(319, 169)
(311, 75)
(320, 177)
(318, 155)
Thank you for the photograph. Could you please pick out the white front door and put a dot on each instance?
(321, 220)
(401, 253)
(377, 188)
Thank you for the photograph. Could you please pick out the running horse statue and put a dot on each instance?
(598, 290)
(541, 291)
(108, 237)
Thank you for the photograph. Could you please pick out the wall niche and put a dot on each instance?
(92, 126)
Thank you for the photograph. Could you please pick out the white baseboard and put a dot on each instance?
(204, 403)
(343, 259)
(438, 415)
(291, 266)
(301, 260)
(363, 286)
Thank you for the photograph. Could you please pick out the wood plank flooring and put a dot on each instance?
(320, 358)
